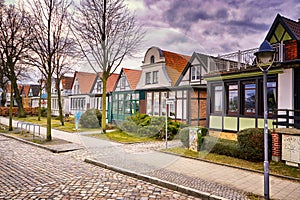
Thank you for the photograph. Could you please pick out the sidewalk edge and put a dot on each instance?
(156, 181)
(232, 166)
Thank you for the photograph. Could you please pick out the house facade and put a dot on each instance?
(125, 99)
(87, 91)
(235, 92)
(160, 71)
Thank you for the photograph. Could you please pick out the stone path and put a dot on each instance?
(28, 172)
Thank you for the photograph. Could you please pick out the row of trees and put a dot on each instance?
(51, 35)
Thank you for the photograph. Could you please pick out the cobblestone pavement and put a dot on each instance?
(132, 157)
(28, 172)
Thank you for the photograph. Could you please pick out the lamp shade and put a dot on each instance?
(265, 55)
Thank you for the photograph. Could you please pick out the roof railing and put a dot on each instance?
(243, 59)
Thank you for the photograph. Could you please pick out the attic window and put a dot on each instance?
(152, 59)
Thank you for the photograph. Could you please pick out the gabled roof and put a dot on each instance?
(133, 76)
(201, 58)
(85, 81)
(35, 90)
(175, 64)
(111, 81)
(25, 90)
(292, 27)
(67, 83)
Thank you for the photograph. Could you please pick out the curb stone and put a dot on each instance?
(237, 167)
(166, 184)
(53, 150)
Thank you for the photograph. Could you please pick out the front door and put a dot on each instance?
(297, 98)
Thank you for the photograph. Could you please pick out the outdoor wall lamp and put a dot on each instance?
(264, 59)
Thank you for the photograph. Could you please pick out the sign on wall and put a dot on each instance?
(291, 149)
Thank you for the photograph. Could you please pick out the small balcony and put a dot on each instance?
(243, 59)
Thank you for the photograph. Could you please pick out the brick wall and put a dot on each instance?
(197, 111)
(276, 147)
(291, 50)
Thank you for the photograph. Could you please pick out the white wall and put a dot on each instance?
(286, 89)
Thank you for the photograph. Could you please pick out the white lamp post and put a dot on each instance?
(264, 60)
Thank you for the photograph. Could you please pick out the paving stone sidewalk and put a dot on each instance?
(29, 172)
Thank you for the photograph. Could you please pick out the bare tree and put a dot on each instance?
(15, 38)
(64, 61)
(107, 32)
(50, 29)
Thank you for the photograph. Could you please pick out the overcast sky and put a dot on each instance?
(209, 26)
(206, 26)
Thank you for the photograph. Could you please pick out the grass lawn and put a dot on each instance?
(68, 127)
(275, 167)
(122, 137)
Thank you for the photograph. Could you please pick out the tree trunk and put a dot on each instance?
(18, 98)
(48, 86)
(61, 117)
(103, 122)
(10, 128)
(40, 104)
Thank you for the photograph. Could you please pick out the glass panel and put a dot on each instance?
(233, 99)
(218, 99)
(271, 96)
(149, 103)
(156, 103)
(249, 100)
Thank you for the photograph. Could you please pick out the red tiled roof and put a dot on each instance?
(67, 83)
(25, 90)
(133, 77)
(85, 81)
(175, 64)
(111, 81)
(294, 26)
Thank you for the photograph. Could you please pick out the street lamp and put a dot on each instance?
(264, 60)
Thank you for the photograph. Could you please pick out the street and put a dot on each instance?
(28, 172)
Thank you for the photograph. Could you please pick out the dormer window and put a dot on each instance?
(98, 86)
(195, 73)
(122, 82)
(152, 60)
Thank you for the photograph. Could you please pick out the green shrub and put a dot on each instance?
(221, 146)
(148, 131)
(89, 119)
(44, 112)
(183, 136)
(128, 126)
(140, 119)
(251, 144)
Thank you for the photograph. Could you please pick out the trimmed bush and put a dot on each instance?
(149, 131)
(128, 126)
(184, 136)
(89, 119)
(221, 146)
(140, 119)
(251, 144)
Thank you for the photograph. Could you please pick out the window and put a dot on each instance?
(217, 99)
(232, 99)
(249, 99)
(271, 97)
(149, 103)
(156, 104)
(152, 60)
(98, 86)
(122, 82)
(155, 77)
(148, 78)
(163, 104)
(195, 73)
